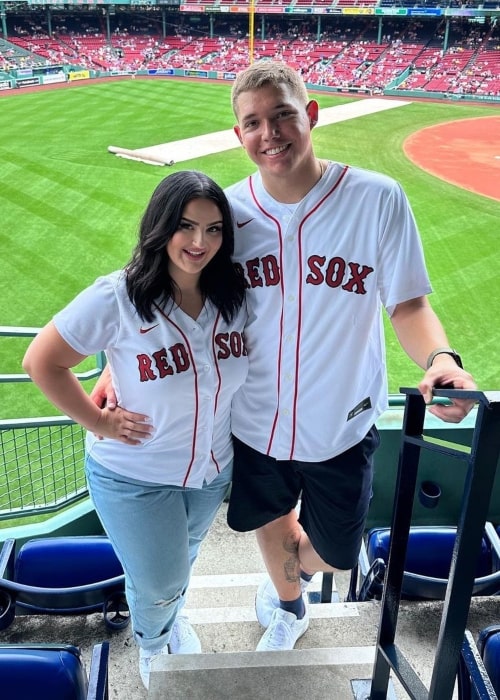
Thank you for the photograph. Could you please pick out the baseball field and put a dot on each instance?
(70, 209)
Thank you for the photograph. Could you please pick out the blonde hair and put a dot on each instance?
(263, 73)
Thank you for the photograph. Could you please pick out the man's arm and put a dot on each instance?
(420, 332)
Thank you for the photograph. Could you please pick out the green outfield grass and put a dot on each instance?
(70, 210)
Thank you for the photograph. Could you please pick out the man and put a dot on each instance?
(323, 246)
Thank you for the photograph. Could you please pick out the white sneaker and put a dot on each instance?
(184, 639)
(267, 600)
(283, 631)
(145, 658)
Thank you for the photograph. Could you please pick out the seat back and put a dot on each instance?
(429, 551)
(66, 562)
(478, 677)
(489, 648)
(428, 561)
(62, 576)
(44, 672)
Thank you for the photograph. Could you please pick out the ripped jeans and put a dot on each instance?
(156, 532)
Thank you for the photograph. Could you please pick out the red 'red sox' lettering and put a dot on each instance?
(157, 365)
(230, 344)
(336, 272)
(164, 363)
(261, 272)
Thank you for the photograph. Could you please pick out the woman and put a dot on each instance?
(171, 324)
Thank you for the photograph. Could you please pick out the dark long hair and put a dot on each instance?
(149, 283)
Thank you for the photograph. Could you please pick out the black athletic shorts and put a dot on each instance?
(334, 496)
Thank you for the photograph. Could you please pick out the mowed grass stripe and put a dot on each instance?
(71, 210)
(50, 175)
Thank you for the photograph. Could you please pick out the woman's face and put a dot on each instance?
(196, 241)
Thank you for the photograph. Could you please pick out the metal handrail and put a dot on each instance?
(482, 465)
(31, 332)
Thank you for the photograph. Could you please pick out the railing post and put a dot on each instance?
(481, 468)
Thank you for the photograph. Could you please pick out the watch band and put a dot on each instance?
(444, 351)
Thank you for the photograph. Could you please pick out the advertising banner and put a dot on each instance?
(49, 78)
(79, 75)
(27, 82)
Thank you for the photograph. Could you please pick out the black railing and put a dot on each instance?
(481, 462)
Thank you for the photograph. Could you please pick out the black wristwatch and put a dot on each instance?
(444, 351)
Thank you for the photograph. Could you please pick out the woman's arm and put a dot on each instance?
(48, 361)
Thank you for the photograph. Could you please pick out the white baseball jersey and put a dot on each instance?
(317, 275)
(180, 372)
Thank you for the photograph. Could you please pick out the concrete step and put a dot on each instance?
(340, 673)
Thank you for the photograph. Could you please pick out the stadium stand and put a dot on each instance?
(436, 56)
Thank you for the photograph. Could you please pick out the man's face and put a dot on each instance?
(274, 127)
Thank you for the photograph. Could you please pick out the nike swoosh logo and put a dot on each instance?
(240, 224)
(146, 330)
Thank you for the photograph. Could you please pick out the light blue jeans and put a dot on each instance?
(156, 532)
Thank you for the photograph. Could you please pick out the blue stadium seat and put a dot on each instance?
(427, 566)
(52, 672)
(479, 667)
(62, 576)
(489, 648)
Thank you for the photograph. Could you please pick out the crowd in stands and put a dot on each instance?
(346, 53)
